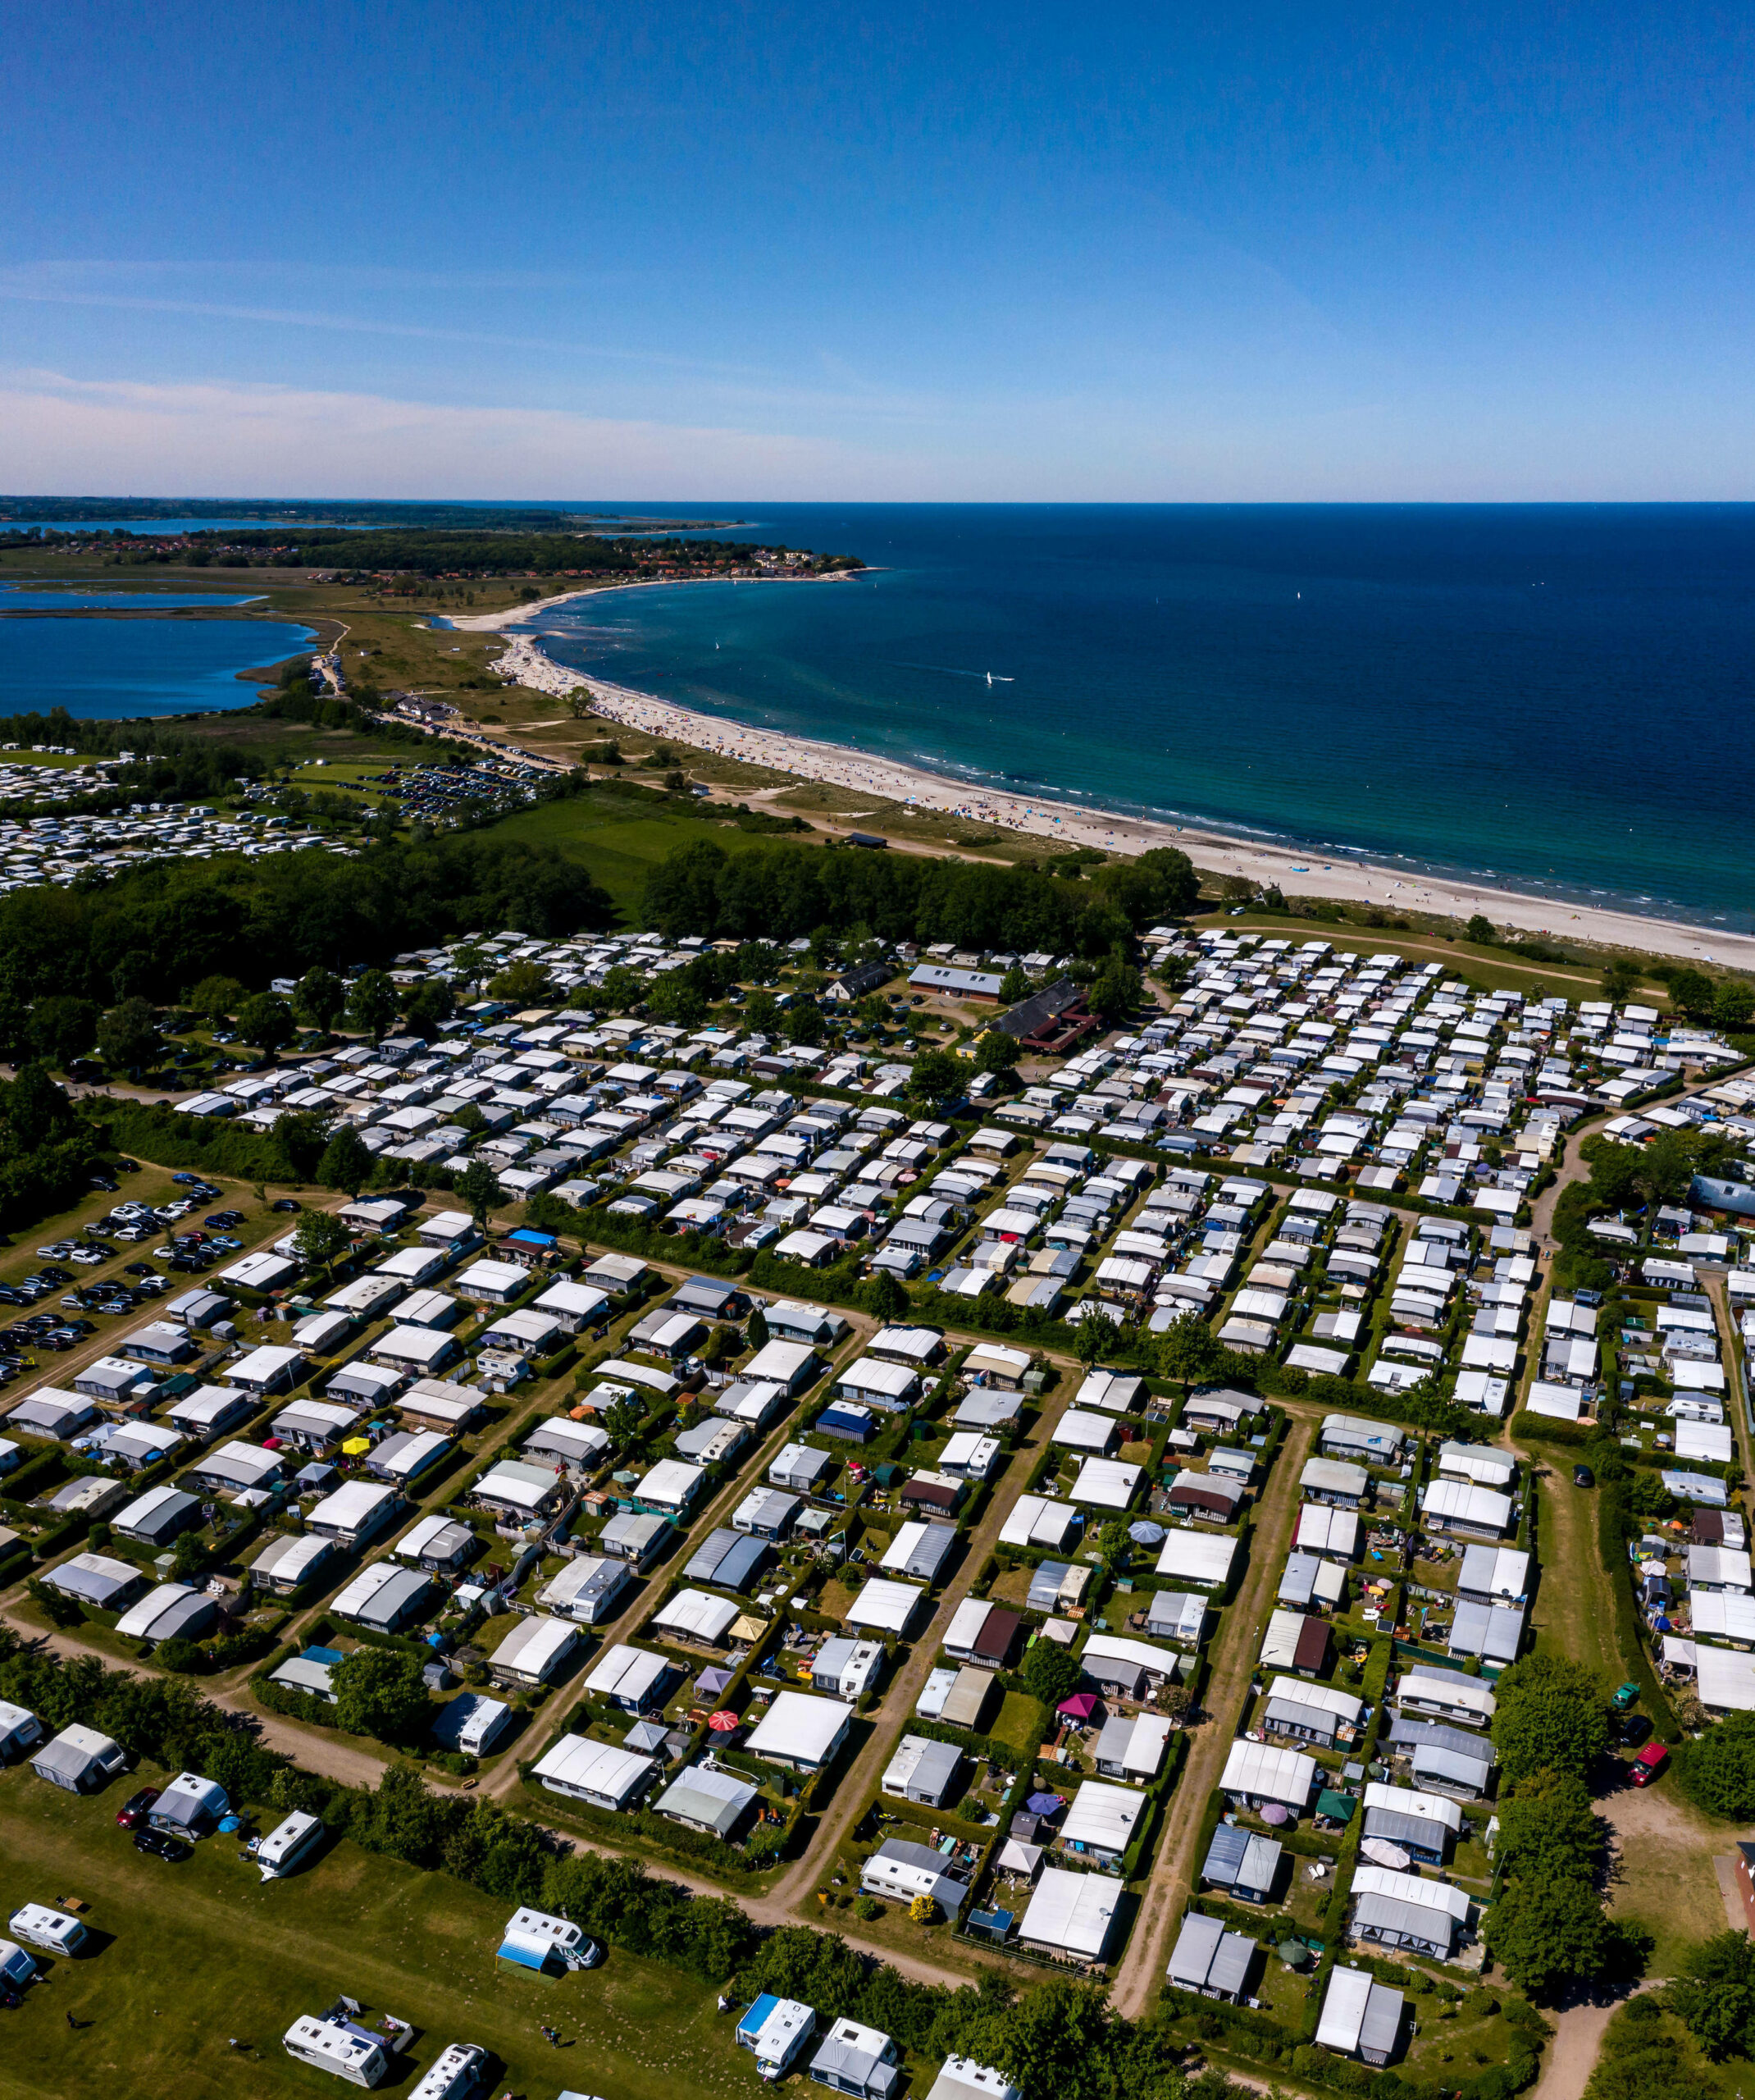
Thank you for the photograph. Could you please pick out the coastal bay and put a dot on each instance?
(134, 666)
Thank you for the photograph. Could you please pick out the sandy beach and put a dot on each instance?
(1348, 877)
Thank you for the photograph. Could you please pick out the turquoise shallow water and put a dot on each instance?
(1551, 697)
(108, 667)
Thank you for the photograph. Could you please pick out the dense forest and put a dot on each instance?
(160, 930)
(783, 891)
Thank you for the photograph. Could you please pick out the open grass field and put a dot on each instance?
(198, 1953)
(619, 844)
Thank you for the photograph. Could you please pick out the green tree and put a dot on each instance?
(521, 984)
(1095, 1334)
(1480, 930)
(1050, 1672)
(762, 1012)
(1115, 992)
(372, 1004)
(346, 1163)
(755, 1328)
(1692, 993)
(216, 998)
(1016, 986)
(1546, 1933)
(1664, 1169)
(1714, 1996)
(1733, 1006)
(937, 1076)
(1547, 1826)
(128, 1035)
(1619, 979)
(478, 1190)
(431, 1005)
(884, 1297)
(267, 1021)
(321, 998)
(1188, 1350)
(379, 1691)
(803, 1026)
(676, 1002)
(1552, 1715)
(62, 1029)
(997, 1052)
(622, 988)
(319, 1236)
(1717, 1770)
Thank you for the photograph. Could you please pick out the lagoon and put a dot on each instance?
(13, 599)
(104, 669)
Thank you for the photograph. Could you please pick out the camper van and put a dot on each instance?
(288, 1845)
(53, 1930)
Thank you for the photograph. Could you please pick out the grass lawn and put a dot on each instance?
(1018, 1721)
(1451, 2044)
(205, 1951)
(618, 842)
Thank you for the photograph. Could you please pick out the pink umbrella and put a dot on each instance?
(1080, 1707)
(1274, 1813)
(723, 1722)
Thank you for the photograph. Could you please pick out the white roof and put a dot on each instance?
(1034, 1520)
(351, 1505)
(1411, 1800)
(782, 1360)
(492, 1278)
(795, 1725)
(1725, 1679)
(1197, 1556)
(1103, 1815)
(1448, 1688)
(535, 1645)
(695, 1614)
(1463, 1502)
(1412, 1888)
(1084, 1431)
(1106, 1483)
(264, 1366)
(1322, 1528)
(872, 1374)
(365, 1585)
(1326, 1698)
(1136, 1654)
(625, 1673)
(1260, 1767)
(671, 1481)
(594, 1768)
(1074, 1911)
(887, 1606)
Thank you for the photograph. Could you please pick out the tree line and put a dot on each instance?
(784, 892)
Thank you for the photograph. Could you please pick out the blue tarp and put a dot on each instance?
(526, 1957)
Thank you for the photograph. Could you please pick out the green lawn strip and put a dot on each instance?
(205, 1951)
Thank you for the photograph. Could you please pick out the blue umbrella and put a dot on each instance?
(1044, 1803)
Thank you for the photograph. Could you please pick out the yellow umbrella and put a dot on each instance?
(355, 1445)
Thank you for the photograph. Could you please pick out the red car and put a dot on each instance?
(132, 1813)
(1650, 1761)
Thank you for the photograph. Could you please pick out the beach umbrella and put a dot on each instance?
(1386, 1855)
(1147, 1534)
(1080, 1707)
(355, 1445)
(723, 1722)
(1273, 1814)
(1044, 1803)
(1293, 1953)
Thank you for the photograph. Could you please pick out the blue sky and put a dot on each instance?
(1033, 253)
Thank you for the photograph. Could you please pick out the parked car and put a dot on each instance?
(1583, 1477)
(161, 1845)
(132, 1813)
(1650, 1762)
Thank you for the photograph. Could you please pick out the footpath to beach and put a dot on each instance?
(1351, 879)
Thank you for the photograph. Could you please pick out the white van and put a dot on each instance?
(288, 1845)
(53, 1930)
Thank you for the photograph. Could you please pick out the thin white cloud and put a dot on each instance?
(117, 436)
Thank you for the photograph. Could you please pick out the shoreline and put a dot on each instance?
(1301, 872)
(497, 622)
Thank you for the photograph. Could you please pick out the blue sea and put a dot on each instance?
(101, 668)
(1549, 697)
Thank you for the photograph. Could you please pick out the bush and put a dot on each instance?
(867, 1907)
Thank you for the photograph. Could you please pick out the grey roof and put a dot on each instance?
(1406, 1730)
(1237, 1857)
(1286, 1715)
(1492, 1632)
(1423, 1833)
(728, 1559)
(706, 1794)
(1418, 1921)
(1206, 1956)
(928, 1552)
